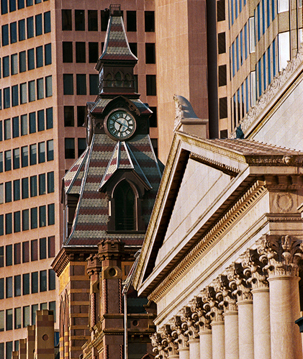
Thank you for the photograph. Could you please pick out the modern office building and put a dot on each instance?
(222, 56)
(48, 53)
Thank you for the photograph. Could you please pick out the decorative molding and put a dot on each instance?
(231, 171)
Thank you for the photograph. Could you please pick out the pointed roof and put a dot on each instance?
(243, 162)
(123, 159)
(116, 46)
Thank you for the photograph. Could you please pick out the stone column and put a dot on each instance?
(239, 286)
(282, 254)
(228, 304)
(217, 323)
(205, 334)
(261, 316)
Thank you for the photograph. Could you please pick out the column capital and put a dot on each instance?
(158, 346)
(171, 348)
(199, 314)
(281, 255)
(179, 330)
(227, 299)
(254, 269)
(191, 323)
(211, 304)
(238, 283)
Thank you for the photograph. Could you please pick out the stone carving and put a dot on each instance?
(192, 324)
(183, 110)
(284, 201)
(199, 314)
(179, 329)
(214, 312)
(254, 269)
(227, 299)
(238, 283)
(171, 347)
(272, 90)
(158, 347)
(281, 254)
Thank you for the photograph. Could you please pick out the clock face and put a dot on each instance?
(120, 125)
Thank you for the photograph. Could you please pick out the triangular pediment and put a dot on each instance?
(203, 179)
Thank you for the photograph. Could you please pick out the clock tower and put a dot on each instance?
(108, 195)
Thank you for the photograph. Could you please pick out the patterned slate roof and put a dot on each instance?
(101, 104)
(116, 45)
(73, 177)
(102, 157)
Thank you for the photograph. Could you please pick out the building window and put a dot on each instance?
(42, 216)
(39, 56)
(48, 86)
(93, 84)
(25, 283)
(7, 129)
(15, 96)
(151, 89)
(66, 20)
(26, 316)
(69, 148)
(149, 21)
(16, 160)
(38, 22)
(68, 116)
(43, 281)
(50, 182)
(23, 93)
(150, 53)
(24, 156)
(68, 84)
(23, 125)
(16, 185)
(41, 120)
(221, 43)
(18, 317)
(42, 248)
(14, 64)
(5, 41)
(42, 184)
(9, 287)
(25, 251)
(47, 22)
(34, 282)
(223, 107)
(31, 91)
(8, 192)
(33, 154)
(133, 47)
(51, 214)
(24, 187)
(17, 225)
(131, 19)
(17, 283)
(81, 84)
(22, 61)
(34, 250)
(104, 19)
(222, 75)
(1, 297)
(93, 52)
(34, 310)
(49, 118)
(6, 98)
(221, 10)
(1, 234)
(79, 20)
(51, 280)
(34, 218)
(5, 66)
(50, 150)
(33, 186)
(15, 127)
(32, 122)
(51, 247)
(13, 32)
(41, 152)
(8, 160)
(17, 254)
(92, 20)
(80, 115)
(4, 10)
(67, 47)
(81, 146)
(12, 5)
(9, 326)
(8, 223)
(47, 54)
(30, 27)
(80, 52)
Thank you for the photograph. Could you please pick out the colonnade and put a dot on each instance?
(247, 312)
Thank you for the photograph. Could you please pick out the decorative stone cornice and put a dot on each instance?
(281, 254)
(254, 269)
(238, 283)
(94, 265)
(271, 92)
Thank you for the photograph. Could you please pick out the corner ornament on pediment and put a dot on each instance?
(282, 255)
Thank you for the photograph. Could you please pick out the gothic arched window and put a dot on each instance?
(125, 207)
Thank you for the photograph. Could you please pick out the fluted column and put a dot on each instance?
(217, 323)
(261, 311)
(282, 254)
(245, 310)
(227, 301)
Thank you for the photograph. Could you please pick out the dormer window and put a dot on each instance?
(125, 207)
